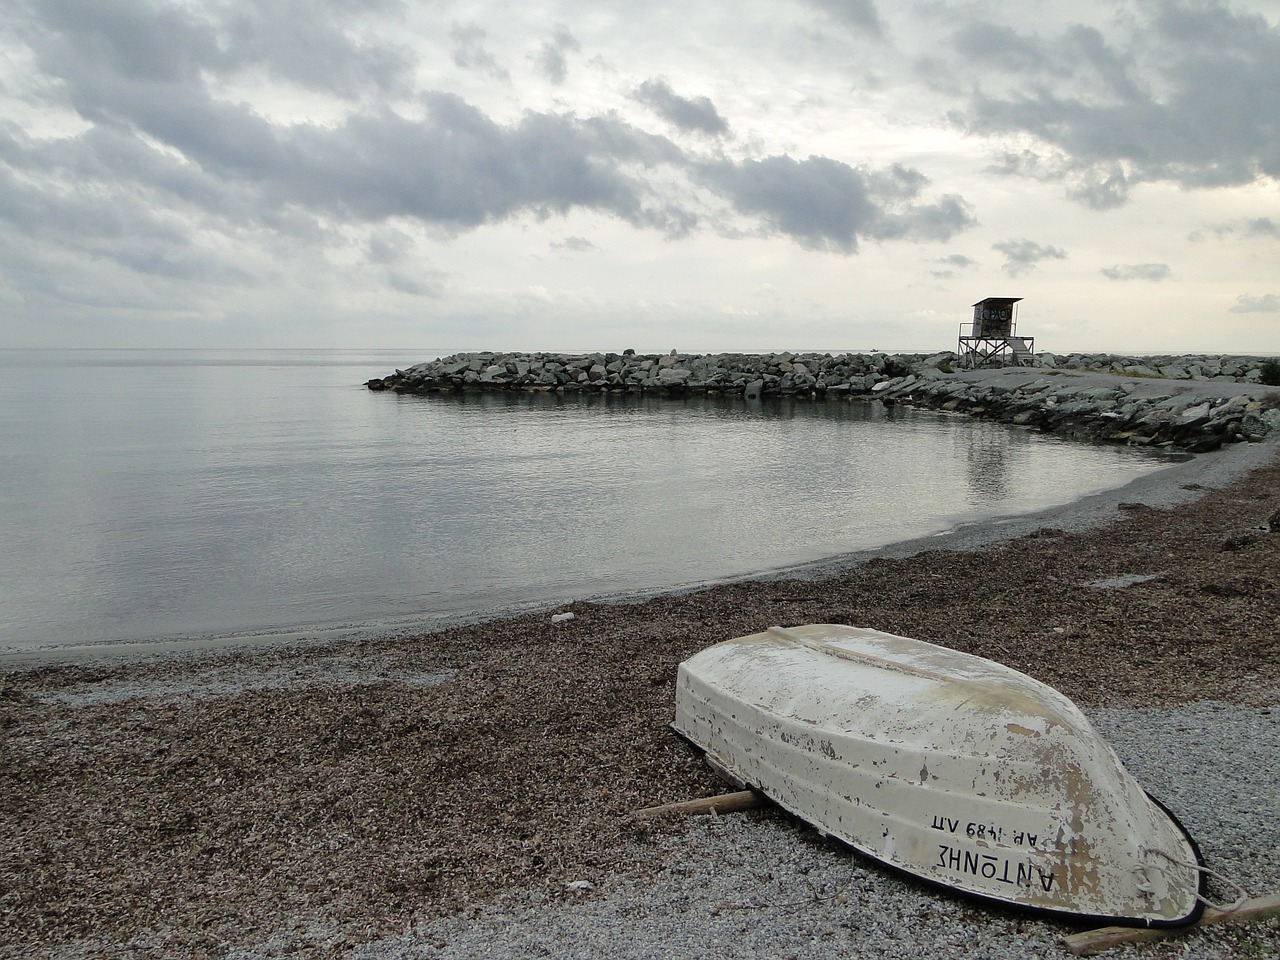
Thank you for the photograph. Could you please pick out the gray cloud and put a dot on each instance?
(859, 14)
(392, 249)
(1189, 93)
(1248, 303)
(951, 264)
(1100, 187)
(317, 46)
(1259, 228)
(1022, 256)
(551, 59)
(389, 246)
(137, 43)
(1080, 50)
(171, 181)
(827, 205)
(81, 211)
(428, 283)
(469, 52)
(697, 115)
(457, 168)
(1154, 272)
(222, 168)
(1262, 227)
(575, 245)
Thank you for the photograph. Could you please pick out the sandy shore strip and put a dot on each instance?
(435, 795)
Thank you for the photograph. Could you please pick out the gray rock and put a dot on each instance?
(1123, 412)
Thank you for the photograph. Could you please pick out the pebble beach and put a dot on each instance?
(468, 793)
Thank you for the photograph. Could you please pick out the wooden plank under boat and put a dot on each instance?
(951, 767)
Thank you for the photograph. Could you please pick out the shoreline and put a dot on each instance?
(1174, 483)
(324, 800)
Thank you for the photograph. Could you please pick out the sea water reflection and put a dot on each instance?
(237, 495)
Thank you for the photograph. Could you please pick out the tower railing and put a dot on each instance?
(995, 351)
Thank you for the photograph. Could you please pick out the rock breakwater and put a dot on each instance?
(1218, 368)
(1195, 403)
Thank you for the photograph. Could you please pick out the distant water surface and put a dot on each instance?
(161, 494)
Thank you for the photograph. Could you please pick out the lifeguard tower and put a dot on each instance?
(992, 340)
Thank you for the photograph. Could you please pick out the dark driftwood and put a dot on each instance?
(724, 803)
(1089, 942)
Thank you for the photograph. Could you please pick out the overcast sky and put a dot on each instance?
(604, 174)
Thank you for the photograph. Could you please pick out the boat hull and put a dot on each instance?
(950, 767)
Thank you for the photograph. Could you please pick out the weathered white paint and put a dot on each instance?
(954, 768)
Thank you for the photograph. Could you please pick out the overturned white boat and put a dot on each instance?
(950, 767)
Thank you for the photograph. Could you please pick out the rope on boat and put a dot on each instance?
(1231, 907)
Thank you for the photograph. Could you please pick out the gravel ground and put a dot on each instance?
(435, 795)
(740, 887)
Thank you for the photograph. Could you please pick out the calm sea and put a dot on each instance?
(161, 494)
